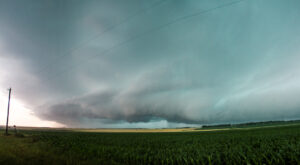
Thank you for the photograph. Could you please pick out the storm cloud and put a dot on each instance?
(80, 63)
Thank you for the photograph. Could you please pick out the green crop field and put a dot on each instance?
(265, 145)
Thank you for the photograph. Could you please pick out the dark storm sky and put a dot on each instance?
(141, 63)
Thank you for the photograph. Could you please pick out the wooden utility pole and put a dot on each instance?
(6, 131)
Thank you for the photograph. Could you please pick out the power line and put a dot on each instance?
(6, 130)
(157, 28)
(82, 44)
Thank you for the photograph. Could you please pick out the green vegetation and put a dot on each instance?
(267, 145)
(252, 124)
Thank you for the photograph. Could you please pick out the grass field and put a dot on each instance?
(278, 144)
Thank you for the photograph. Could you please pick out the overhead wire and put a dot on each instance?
(82, 44)
(157, 28)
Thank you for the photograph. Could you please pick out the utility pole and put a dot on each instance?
(6, 131)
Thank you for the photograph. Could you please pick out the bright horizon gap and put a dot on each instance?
(19, 115)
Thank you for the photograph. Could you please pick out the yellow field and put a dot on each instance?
(141, 130)
(120, 130)
(137, 130)
(144, 130)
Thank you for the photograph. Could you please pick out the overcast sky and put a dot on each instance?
(141, 63)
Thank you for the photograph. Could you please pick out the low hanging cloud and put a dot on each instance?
(155, 97)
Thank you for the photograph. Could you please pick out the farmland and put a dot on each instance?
(265, 145)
